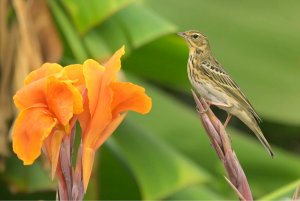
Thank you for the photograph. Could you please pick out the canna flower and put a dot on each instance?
(53, 98)
(108, 102)
(48, 102)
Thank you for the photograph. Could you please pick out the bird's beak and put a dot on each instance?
(182, 34)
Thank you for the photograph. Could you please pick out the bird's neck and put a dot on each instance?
(200, 52)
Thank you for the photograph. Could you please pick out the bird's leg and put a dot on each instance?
(227, 120)
(226, 123)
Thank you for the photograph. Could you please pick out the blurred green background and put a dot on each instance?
(166, 155)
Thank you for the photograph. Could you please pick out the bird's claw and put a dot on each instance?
(202, 112)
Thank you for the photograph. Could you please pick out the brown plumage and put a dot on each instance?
(212, 82)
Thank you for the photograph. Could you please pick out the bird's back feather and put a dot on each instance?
(221, 77)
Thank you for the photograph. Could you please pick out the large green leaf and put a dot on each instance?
(196, 192)
(31, 178)
(258, 47)
(143, 25)
(284, 193)
(99, 41)
(115, 180)
(132, 26)
(88, 14)
(71, 36)
(159, 170)
(163, 61)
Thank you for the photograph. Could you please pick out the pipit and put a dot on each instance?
(213, 83)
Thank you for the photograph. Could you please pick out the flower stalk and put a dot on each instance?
(222, 145)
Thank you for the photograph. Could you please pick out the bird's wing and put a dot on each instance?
(221, 77)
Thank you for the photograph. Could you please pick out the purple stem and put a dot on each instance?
(221, 143)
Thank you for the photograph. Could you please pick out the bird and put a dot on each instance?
(210, 80)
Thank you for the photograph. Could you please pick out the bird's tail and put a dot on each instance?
(262, 139)
(251, 122)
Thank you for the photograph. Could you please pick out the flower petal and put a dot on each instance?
(113, 65)
(63, 99)
(88, 156)
(84, 117)
(31, 94)
(52, 144)
(32, 126)
(93, 73)
(99, 97)
(74, 73)
(77, 99)
(110, 129)
(128, 96)
(45, 70)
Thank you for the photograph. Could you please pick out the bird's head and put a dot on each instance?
(195, 40)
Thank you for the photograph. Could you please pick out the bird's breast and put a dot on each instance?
(206, 87)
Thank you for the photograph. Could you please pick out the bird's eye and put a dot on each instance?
(195, 36)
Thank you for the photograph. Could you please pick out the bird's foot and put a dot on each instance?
(204, 111)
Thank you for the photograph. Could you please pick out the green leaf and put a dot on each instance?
(114, 177)
(86, 15)
(158, 169)
(160, 62)
(68, 32)
(142, 25)
(99, 41)
(265, 174)
(132, 26)
(31, 178)
(284, 193)
(196, 192)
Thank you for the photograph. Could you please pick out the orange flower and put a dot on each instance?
(107, 100)
(54, 97)
(48, 101)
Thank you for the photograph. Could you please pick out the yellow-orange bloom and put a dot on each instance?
(107, 100)
(52, 99)
(48, 101)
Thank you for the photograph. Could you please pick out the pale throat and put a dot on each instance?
(198, 49)
(198, 52)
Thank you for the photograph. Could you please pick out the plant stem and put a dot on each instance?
(221, 143)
